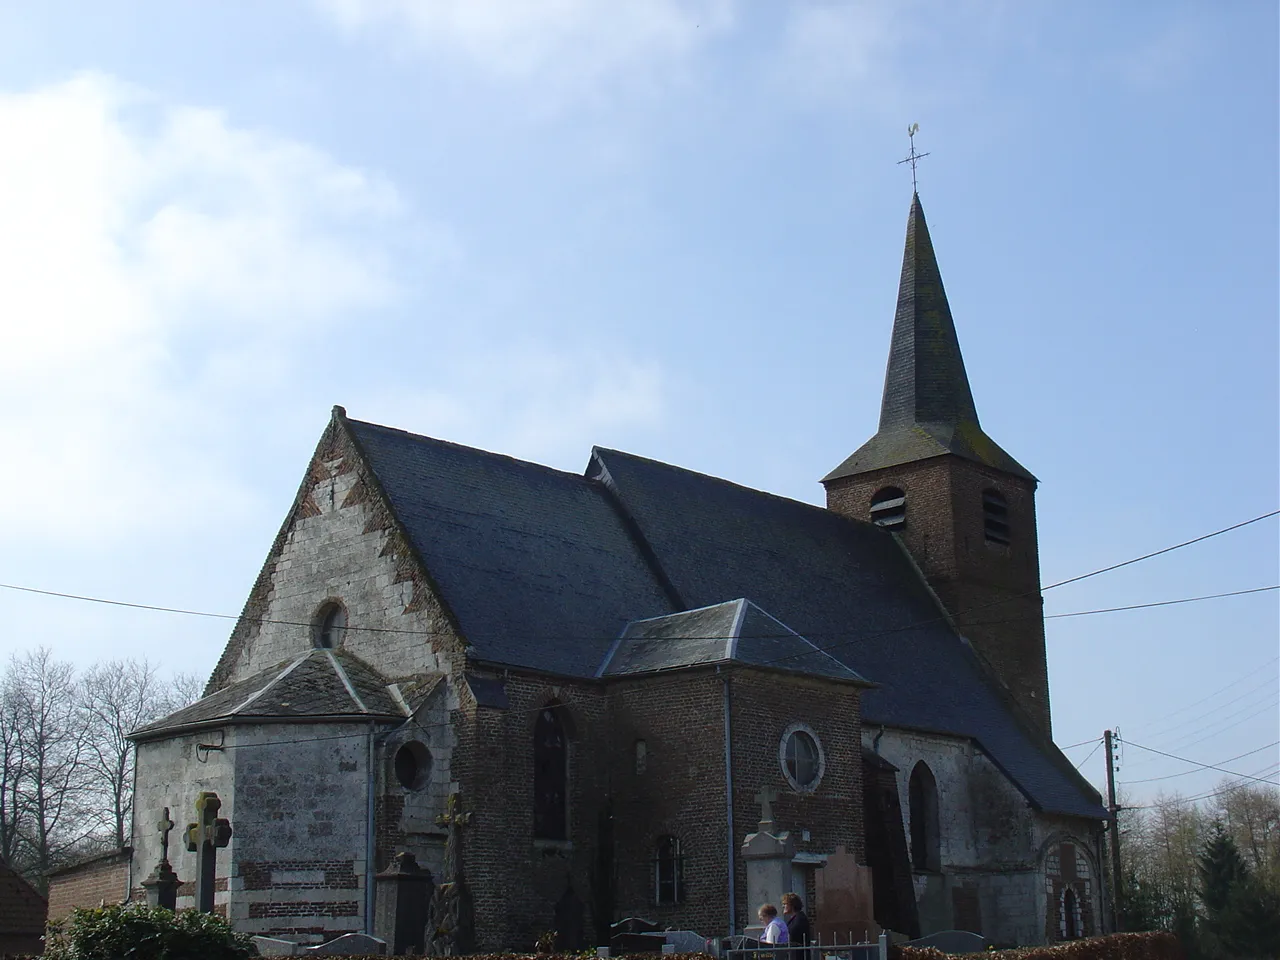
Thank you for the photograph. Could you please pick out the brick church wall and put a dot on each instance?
(992, 591)
(764, 705)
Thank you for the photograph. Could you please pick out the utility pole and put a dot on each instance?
(1114, 809)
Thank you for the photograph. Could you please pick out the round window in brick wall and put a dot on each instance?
(801, 756)
(412, 765)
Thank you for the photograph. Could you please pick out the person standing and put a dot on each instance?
(797, 923)
(775, 931)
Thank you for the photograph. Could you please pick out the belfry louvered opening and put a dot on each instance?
(995, 517)
(889, 509)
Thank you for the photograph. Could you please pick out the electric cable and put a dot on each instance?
(1184, 773)
(1205, 766)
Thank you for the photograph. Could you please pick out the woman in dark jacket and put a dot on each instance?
(797, 923)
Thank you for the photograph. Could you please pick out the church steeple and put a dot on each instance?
(962, 507)
(928, 408)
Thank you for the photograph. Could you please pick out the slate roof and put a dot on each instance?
(318, 683)
(545, 570)
(736, 631)
(537, 565)
(22, 910)
(928, 407)
(850, 589)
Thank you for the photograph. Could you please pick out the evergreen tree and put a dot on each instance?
(1221, 869)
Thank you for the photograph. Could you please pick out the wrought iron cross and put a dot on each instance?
(912, 157)
(164, 826)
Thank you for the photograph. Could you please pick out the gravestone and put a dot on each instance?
(204, 838)
(767, 855)
(845, 907)
(400, 911)
(272, 947)
(162, 884)
(350, 945)
(451, 927)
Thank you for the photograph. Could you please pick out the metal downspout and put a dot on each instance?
(728, 801)
(370, 837)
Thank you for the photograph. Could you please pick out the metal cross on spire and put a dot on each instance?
(912, 157)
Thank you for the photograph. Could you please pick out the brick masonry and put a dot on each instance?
(102, 879)
(992, 591)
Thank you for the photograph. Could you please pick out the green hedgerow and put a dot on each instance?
(135, 931)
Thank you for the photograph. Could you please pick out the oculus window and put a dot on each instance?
(800, 754)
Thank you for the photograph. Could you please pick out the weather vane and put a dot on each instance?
(913, 156)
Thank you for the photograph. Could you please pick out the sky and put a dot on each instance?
(673, 228)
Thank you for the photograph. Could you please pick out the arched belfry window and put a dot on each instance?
(922, 792)
(995, 517)
(551, 774)
(330, 626)
(889, 509)
(668, 871)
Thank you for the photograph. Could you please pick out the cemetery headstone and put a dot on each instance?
(350, 945)
(205, 837)
(403, 896)
(846, 902)
(162, 884)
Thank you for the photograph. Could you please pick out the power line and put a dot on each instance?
(1095, 749)
(1248, 676)
(1271, 705)
(1184, 773)
(1148, 556)
(1072, 746)
(1269, 682)
(1269, 771)
(1206, 766)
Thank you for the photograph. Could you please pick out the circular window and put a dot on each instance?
(331, 624)
(801, 757)
(413, 765)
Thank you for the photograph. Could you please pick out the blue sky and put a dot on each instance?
(671, 228)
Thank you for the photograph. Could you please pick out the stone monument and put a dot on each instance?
(767, 854)
(162, 884)
(204, 838)
(403, 895)
(451, 927)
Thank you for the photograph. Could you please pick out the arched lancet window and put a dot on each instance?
(889, 509)
(551, 775)
(922, 792)
(995, 517)
(668, 871)
(331, 625)
(1070, 915)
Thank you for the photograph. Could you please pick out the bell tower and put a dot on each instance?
(963, 508)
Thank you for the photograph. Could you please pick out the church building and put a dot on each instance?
(565, 693)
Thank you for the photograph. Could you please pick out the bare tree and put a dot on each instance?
(50, 734)
(12, 776)
(116, 698)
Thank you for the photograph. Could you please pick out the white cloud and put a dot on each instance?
(141, 247)
(569, 48)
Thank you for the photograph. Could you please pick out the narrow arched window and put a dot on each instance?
(995, 517)
(550, 775)
(1070, 919)
(889, 509)
(668, 872)
(922, 793)
(331, 624)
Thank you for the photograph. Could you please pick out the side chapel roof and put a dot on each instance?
(544, 570)
(927, 409)
(319, 683)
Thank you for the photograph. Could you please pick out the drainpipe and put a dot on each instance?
(728, 801)
(370, 837)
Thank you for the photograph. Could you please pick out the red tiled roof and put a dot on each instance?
(22, 909)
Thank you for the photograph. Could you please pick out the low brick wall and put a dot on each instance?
(90, 883)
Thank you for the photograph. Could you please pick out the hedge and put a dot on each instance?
(1115, 946)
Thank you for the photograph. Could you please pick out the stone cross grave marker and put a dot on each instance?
(164, 826)
(765, 798)
(204, 837)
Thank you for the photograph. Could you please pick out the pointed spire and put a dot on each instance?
(927, 409)
(925, 381)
